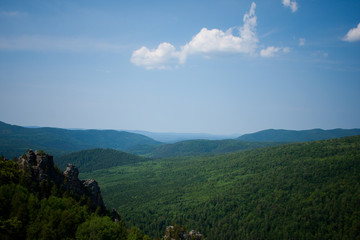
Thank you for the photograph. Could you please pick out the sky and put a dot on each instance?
(219, 67)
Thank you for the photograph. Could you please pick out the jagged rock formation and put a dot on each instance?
(41, 168)
(177, 232)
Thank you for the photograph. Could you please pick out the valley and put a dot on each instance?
(273, 184)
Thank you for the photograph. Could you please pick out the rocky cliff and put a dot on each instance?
(40, 166)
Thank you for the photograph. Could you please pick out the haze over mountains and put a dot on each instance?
(14, 140)
(172, 137)
(281, 135)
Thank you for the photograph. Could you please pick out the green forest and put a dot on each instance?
(45, 211)
(95, 159)
(296, 191)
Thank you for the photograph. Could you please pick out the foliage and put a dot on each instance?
(296, 191)
(100, 228)
(8, 171)
(135, 234)
(94, 159)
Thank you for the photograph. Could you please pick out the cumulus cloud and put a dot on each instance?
(353, 34)
(155, 58)
(302, 41)
(270, 51)
(205, 42)
(290, 4)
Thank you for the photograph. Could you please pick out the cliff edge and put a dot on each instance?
(40, 167)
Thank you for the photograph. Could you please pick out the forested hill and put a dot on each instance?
(205, 147)
(15, 140)
(280, 135)
(296, 191)
(95, 159)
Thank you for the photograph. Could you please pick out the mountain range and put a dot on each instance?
(273, 184)
(14, 140)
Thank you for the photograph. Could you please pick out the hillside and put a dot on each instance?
(40, 202)
(204, 147)
(95, 159)
(15, 140)
(274, 135)
(296, 191)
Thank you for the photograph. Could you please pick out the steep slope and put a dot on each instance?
(95, 159)
(15, 140)
(273, 135)
(297, 191)
(205, 147)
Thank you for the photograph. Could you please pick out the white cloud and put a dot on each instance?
(206, 41)
(270, 51)
(155, 58)
(302, 41)
(215, 40)
(353, 34)
(46, 43)
(290, 4)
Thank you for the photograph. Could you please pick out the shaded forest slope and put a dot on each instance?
(95, 159)
(296, 191)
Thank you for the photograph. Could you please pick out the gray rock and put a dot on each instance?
(178, 232)
(41, 168)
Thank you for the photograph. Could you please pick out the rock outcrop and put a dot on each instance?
(41, 167)
(178, 232)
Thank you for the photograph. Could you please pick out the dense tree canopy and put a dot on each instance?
(297, 191)
(28, 211)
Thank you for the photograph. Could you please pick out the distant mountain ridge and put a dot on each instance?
(205, 147)
(265, 138)
(281, 135)
(173, 137)
(14, 140)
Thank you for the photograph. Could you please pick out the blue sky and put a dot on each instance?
(218, 67)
